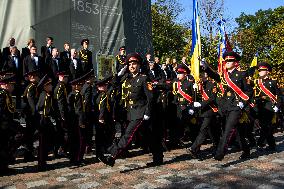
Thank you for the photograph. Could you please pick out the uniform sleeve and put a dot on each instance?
(61, 101)
(31, 94)
(213, 74)
(148, 89)
(40, 103)
(88, 99)
(103, 106)
(212, 94)
(79, 109)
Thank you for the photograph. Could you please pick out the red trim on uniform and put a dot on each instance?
(130, 139)
(272, 97)
(233, 86)
(183, 94)
(221, 88)
(206, 97)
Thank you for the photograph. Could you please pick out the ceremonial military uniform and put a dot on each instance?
(8, 127)
(61, 115)
(46, 128)
(85, 55)
(30, 98)
(77, 123)
(236, 94)
(103, 115)
(183, 97)
(138, 98)
(267, 99)
(208, 111)
(87, 94)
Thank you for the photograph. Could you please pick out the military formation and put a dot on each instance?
(147, 104)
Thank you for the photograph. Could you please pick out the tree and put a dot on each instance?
(169, 37)
(262, 33)
(211, 11)
(252, 33)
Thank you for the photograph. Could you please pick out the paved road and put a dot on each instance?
(262, 171)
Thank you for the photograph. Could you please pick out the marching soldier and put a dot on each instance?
(236, 97)
(103, 116)
(77, 122)
(184, 98)
(61, 108)
(46, 128)
(87, 94)
(85, 55)
(139, 105)
(267, 98)
(208, 111)
(30, 98)
(8, 127)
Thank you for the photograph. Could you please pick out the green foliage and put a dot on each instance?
(262, 33)
(169, 37)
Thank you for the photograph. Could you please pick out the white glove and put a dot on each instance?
(195, 86)
(196, 104)
(275, 109)
(191, 112)
(241, 105)
(146, 118)
(122, 71)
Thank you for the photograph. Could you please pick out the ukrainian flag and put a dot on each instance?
(222, 45)
(196, 43)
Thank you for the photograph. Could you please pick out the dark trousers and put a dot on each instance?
(89, 129)
(182, 123)
(232, 120)
(31, 123)
(116, 148)
(154, 135)
(45, 142)
(77, 144)
(151, 136)
(266, 129)
(61, 133)
(104, 136)
(204, 130)
(4, 148)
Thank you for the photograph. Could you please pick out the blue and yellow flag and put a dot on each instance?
(222, 45)
(196, 43)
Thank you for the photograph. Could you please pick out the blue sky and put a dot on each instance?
(235, 7)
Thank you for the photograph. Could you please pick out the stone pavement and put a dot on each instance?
(262, 171)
